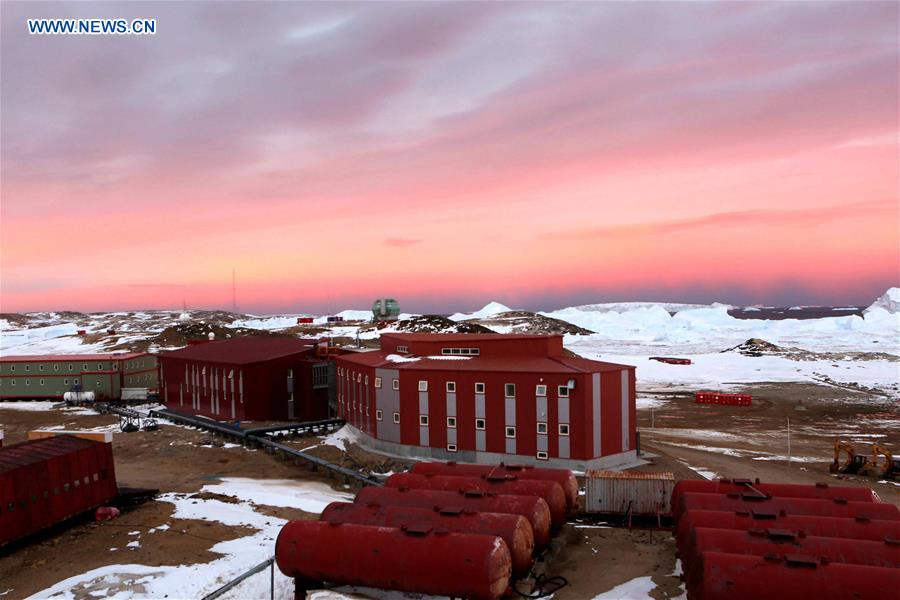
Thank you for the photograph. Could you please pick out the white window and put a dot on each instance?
(84, 367)
(423, 419)
(56, 367)
(70, 366)
(540, 390)
(12, 367)
(542, 428)
(451, 447)
(27, 367)
(379, 415)
(100, 367)
(542, 455)
(402, 348)
(395, 384)
(27, 382)
(423, 386)
(479, 388)
(563, 429)
(65, 382)
(42, 382)
(479, 424)
(40, 367)
(13, 382)
(359, 378)
(510, 390)
(451, 386)
(98, 383)
(290, 373)
(378, 382)
(75, 381)
(367, 380)
(340, 371)
(451, 422)
(563, 391)
(396, 417)
(510, 432)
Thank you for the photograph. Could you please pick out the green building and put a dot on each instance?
(51, 376)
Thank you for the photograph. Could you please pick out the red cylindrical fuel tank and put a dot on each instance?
(759, 542)
(794, 506)
(515, 530)
(744, 577)
(834, 527)
(531, 507)
(421, 561)
(563, 477)
(786, 490)
(550, 491)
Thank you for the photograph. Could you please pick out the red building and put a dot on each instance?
(259, 378)
(489, 398)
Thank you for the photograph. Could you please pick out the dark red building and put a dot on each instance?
(49, 480)
(489, 398)
(259, 378)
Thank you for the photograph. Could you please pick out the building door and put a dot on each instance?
(290, 389)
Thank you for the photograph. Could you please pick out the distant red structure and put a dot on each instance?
(671, 360)
(304, 320)
(728, 399)
(46, 481)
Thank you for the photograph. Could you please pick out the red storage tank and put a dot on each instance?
(778, 490)
(835, 527)
(531, 507)
(563, 477)
(759, 542)
(512, 529)
(794, 506)
(420, 561)
(550, 491)
(743, 577)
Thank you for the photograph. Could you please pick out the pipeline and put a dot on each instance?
(257, 437)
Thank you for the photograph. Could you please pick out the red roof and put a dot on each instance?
(463, 337)
(35, 451)
(72, 357)
(244, 350)
(532, 364)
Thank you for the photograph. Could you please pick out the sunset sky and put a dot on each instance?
(541, 155)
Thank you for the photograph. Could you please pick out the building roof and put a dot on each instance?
(72, 357)
(35, 451)
(464, 337)
(243, 350)
(530, 364)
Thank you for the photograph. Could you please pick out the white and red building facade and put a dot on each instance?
(489, 398)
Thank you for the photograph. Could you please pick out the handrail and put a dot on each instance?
(268, 563)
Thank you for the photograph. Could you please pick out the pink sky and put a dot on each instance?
(447, 155)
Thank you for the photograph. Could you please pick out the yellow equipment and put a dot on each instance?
(854, 463)
(889, 466)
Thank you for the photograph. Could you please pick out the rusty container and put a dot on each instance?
(421, 561)
(563, 477)
(832, 527)
(746, 577)
(779, 490)
(515, 530)
(627, 492)
(531, 507)
(883, 553)
(550, 491)
(836, 507)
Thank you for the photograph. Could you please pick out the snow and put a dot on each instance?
(28, 405)
(639, 587)
(399, 358)
(340, 438)
(127, 581)
(889, 302)
(489, 310)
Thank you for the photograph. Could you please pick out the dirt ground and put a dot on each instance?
(684, 438)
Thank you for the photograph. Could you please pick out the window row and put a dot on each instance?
(66, 487)
(12, 382)
(509, 389)
(84, 367)
(460, 351)
(480, 424)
